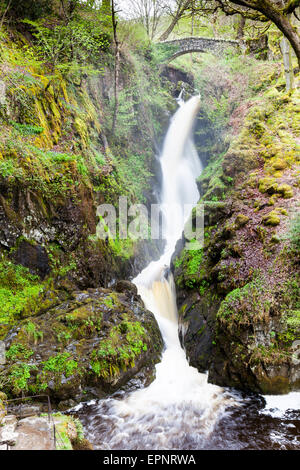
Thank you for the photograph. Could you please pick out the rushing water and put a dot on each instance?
(180, 410)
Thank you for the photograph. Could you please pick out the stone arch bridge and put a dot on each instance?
(177, 47)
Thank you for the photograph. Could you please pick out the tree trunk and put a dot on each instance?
(4, 14)
(181, 9)
(170, 28)
(287, 62)
(283, 24)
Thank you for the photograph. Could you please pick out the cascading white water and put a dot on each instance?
(179, 408)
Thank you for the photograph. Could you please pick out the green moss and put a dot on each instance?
(242, 304)
(126, 342)
(212, 180)
(272, 218)
(275, 239)
(241, 220)
(268, 185)
(278, 164)
(194, 261)
(285, 190)
(82, 130)
(19, 291)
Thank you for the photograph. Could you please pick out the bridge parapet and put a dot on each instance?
(217, 46)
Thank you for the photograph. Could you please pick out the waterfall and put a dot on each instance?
(179, 409)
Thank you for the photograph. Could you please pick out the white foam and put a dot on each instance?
(278, 405)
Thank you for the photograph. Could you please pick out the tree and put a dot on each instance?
(278, 12)
(180, 10)
(148, 12)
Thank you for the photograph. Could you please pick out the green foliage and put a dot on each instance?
(32, 332)
(18, 351)
(126, 342)
(135, 168)
(194, 261)
(50, 172)
(9, 169)
(293, 319)
(27, 129)
(162, 52)
(54, 368)
(75, 43)
(79, 429)
(19, 375)
(243, 303)
(109, 302)
(18, 290)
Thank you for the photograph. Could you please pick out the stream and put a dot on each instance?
(180, 409)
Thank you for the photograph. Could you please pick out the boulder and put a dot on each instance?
(90, 345)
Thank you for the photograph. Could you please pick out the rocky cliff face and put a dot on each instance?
(239, 296)
(59, 161)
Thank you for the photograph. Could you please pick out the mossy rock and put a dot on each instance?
(275, 239)
(241, 220)
(272, 218)
(278, 164)
(258, 310)
(268, 185)
(90, 345)
(285, 190)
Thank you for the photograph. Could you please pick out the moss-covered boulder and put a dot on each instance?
(241, 220)
(285, 191)
(257, 329)
(90, 345)
(272, 218)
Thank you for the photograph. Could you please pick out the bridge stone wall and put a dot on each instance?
(198, 44)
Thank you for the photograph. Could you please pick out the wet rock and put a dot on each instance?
(126, 287)
(196, 317)
(25, 411)
(67, 404)
(34, 434)
(34, 257)
(90, 345)
(178, 78)
(8, 435)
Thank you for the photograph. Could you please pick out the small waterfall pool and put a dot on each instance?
(180, 410)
